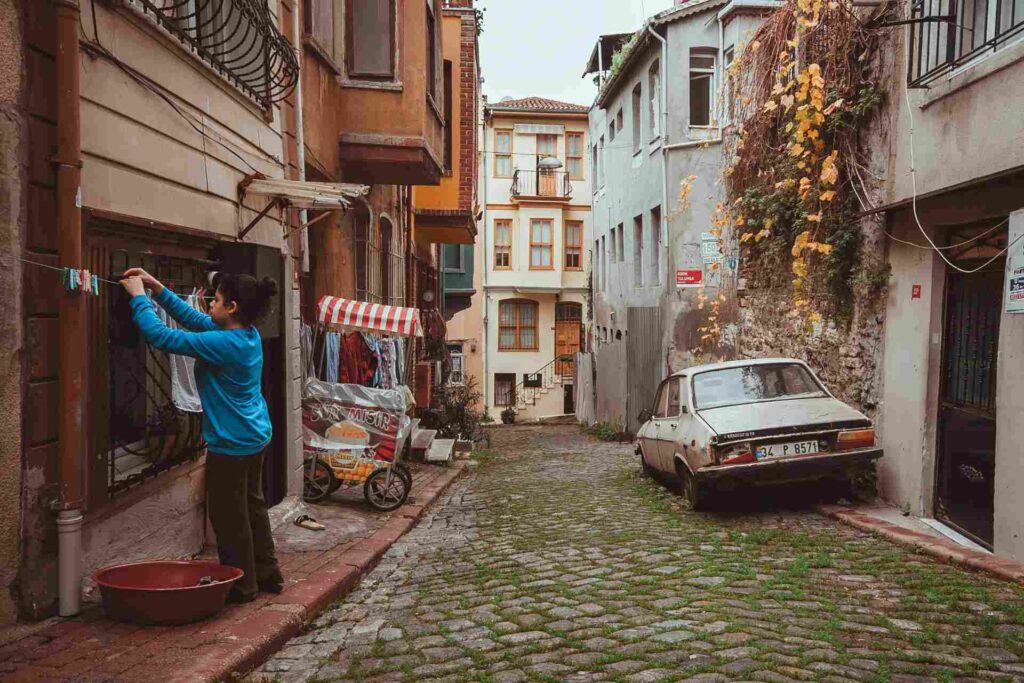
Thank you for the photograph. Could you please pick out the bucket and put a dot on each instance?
(165, 592)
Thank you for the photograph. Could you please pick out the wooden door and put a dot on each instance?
(567, 342)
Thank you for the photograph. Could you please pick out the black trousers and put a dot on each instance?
(238, 514)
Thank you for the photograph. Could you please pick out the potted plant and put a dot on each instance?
(508, 416)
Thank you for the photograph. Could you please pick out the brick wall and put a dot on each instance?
(468, 83)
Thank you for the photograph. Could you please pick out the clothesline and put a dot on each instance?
(61, 269)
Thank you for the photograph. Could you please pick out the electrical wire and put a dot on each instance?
(952, 246)
(917, 220)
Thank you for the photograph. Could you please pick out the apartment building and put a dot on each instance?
(534, 253)
(953, 200)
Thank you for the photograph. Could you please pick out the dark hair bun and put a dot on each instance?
(267, 287)
(252, 297)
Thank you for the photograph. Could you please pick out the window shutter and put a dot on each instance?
(320, 23)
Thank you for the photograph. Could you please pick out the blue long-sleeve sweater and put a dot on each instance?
(229, 367)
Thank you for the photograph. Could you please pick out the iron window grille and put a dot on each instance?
(237, 38)
(948, 34)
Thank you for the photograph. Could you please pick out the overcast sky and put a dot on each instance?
(540, 47)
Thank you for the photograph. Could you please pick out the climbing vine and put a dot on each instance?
(802, 91)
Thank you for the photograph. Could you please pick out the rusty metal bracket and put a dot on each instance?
(275, 203)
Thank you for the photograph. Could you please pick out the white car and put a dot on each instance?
(754, 421)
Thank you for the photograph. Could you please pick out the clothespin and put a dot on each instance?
(86, 282)
(96, 285)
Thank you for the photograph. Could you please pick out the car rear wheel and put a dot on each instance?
(690, 489)
(648, 471)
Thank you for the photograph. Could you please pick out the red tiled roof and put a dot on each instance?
(539, 104)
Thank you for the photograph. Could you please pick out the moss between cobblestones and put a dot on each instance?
(555, 560)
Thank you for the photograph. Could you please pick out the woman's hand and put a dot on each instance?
(147, 279)
(134, 285)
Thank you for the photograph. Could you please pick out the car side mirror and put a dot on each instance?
(645, 415)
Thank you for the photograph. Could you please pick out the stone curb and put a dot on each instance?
(942, 549)
(262, 633)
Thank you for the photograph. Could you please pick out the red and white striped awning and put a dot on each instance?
(367, 317)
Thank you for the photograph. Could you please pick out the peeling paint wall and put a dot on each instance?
(12, 174)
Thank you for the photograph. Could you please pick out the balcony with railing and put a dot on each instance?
(541, 184)
(948, 34)
(238, 39)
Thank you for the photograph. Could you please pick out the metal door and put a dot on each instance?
(643, 361)
(965, 469)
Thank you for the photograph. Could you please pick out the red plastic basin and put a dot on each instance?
(165, 591)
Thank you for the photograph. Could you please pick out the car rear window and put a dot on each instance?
(752, 384)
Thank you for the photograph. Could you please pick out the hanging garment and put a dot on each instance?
(399, 361)
(358, 365)
(374, 348)
(184, 393)
(332, 351)
(306, 342)
(387, 364)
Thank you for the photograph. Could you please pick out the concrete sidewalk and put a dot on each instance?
(319, 567)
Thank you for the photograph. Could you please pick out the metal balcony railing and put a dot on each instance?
(947, 34)
(555, 184)
(237, 38)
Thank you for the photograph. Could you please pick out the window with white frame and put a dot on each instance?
(702, 87)
(654, 98)
(655, 245)
(638, 98)
(458, 373)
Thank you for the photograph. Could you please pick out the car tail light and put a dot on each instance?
(856, 438)
(736, 455)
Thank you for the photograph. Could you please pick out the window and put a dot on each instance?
(638, 251)
(593, 165)
(611, 131)
(655, 245)
(370, 39)
(618, 120)
(517, 325)
(386, 236)
(654, 98)
(573, 245)
(702, 88)
(540, 244)
(638, 98)
(754, 383)
(574, 155)
(319, 16)
(600, 161)
(669, 401)
(547, 146)
(453, 258)
(502, 244)
(729, 54)
(433, 53)
(369, 258)
(504, 386)
(458, 373)
(602, 257)
(597, 270)
(449, 117)
(503, 153)
(620, 255)
(980, 27)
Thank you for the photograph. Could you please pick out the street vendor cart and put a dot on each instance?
(355, 434)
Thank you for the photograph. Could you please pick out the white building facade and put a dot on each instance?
(534, 254)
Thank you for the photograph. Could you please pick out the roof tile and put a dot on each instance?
(539, 104)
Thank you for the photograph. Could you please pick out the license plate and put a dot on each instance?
(784, 450)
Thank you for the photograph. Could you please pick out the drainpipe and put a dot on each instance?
(300, 138)
(486, 260)
(666, 213)
(72, 320)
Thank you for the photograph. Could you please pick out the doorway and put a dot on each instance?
(568, 332)
(965, 468)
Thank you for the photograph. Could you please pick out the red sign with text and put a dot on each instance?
(915, 292)
(689, 278)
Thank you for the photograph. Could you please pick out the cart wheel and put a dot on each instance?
(320, 484)
(386, 489)
(406, 473)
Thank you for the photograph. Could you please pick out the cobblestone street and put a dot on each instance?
(555, 561)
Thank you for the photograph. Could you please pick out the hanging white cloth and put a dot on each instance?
(184, 393)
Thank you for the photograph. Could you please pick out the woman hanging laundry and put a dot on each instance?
(236, 423)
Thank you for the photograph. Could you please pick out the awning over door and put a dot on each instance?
(302, 194)
(366, 317)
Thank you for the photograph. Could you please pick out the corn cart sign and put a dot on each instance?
(349, 417)
(1015, 265)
